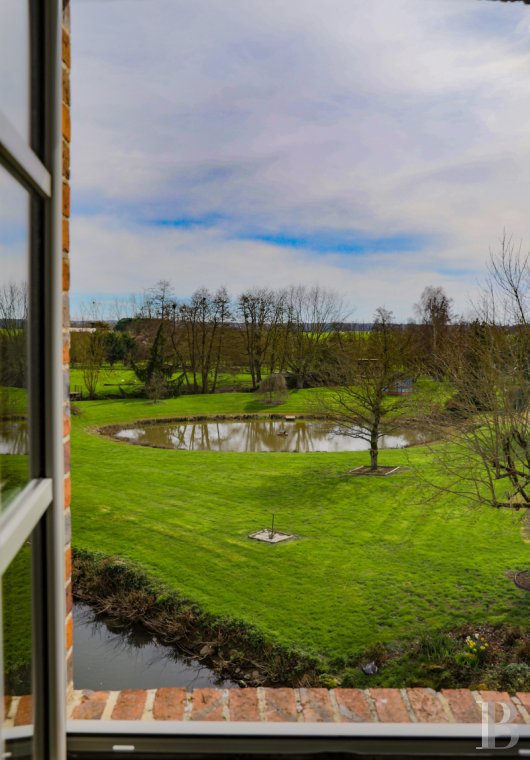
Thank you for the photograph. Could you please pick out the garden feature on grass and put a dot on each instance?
(522, 579)
(365, 470)
(271, 536)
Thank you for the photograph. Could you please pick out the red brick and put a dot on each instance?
(316, 706)
(66, 352)
(69, 629)
(67, 491)
(243, 704)
(66, 202)
(66, 312)
(352, 705)
(67, 563)
(7, 704)
(66, 48)
(501, 696)
(66, 159)
(207, 704)
(389, 706)
(66, 281)
(66, 124)
(524, 698)
(280, 705)
(91, 706)
(67, 456)
(24, 716)
(69, 599)
(66, 425)
(70, 667)
(66, 85)
(66, 235)
(426, 706)
(463, 705)
(169, 704)
(130, 705)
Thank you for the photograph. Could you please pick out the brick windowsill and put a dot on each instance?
(293, 705)
(268, 705)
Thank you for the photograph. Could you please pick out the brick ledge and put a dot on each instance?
(280, 705)
(416, 705)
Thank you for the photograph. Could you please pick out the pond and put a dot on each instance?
(13, 437)
(257, 436)
(109, 659)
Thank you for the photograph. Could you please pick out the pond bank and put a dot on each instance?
(231, 649)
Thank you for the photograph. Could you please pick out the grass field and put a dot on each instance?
(121, 381)
(374, 560)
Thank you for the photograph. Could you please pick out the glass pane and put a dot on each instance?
(14, 242)
(17, 647)
(14, 63)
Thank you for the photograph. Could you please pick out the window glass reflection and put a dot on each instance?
(14, 63)
(14, 464)
(17, 641)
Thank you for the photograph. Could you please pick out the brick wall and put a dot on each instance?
(66, 325)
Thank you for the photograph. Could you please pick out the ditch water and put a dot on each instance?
(110, 659)
(258, 436)
(13, 437)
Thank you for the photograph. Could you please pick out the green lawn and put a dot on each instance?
(16, 609)
(374, 561)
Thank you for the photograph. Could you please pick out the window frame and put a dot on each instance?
(36, 164)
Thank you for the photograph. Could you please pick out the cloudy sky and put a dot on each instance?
(371, 147)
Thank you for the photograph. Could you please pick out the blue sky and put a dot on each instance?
(371, 147)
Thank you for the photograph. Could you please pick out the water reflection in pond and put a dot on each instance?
(258, 435)
(107, 659)
(13, 437)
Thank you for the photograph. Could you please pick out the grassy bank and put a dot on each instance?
(374, 561)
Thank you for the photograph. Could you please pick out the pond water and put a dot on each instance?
(13, 437)
(110, 659)
(258, 435)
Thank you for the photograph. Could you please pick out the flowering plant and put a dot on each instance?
(476, 648)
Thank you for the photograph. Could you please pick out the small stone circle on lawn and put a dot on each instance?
(381, 471)
(522, 579)
(270, 537)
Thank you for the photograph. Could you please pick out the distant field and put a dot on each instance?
(121, 381)
(374, 561)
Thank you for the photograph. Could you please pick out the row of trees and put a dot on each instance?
(297, 331)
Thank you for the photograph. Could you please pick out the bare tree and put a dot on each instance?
(273, 389)
(261, 310)
(158, 301)
(13, 321)
(434, 311)
(365, 399)
(487, 455)
(203, 320)
(313, 315)
(91, 347)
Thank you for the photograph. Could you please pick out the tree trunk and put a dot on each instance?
(374, 447)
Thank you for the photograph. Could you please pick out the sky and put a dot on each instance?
(371, 147)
